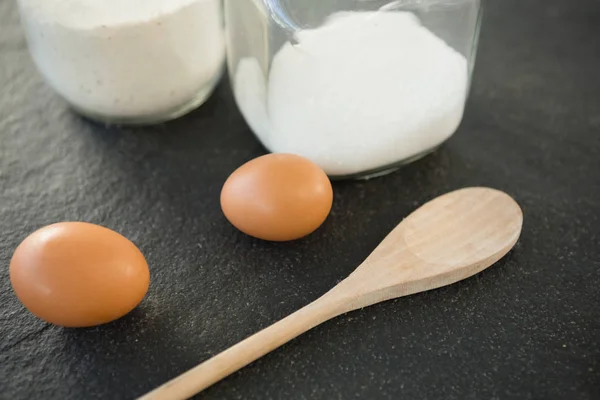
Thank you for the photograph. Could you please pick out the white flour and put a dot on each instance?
(127, 58)
(363, 91)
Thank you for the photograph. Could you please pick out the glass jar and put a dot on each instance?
(127, 62)
(358, 86)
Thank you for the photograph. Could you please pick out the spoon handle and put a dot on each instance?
(229, 361)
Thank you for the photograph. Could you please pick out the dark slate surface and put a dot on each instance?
(527, 328)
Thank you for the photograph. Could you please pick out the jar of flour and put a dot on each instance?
(127, 62)
(359, 87)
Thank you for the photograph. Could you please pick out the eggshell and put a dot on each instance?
(76, 274)
(277, 197)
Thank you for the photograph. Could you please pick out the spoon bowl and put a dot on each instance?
(446, 240)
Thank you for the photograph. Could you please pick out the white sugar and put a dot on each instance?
(365, 90)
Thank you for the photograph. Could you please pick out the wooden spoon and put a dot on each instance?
(446, 240)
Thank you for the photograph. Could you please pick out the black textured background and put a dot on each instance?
(527, 328)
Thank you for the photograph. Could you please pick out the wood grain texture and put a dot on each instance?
(446, 240)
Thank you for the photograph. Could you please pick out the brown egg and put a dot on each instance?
(76, 274)
(277, 197)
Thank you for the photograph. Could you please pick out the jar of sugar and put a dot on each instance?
(127, 62)
(359, 87)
